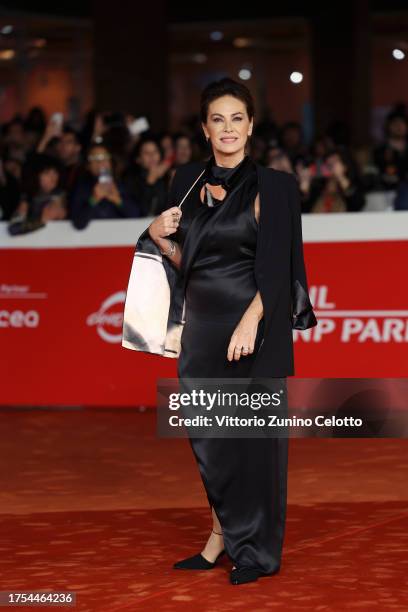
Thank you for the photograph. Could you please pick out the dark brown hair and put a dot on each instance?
(225, 87)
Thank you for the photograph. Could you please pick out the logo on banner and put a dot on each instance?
(354, 325)
(19, 317)
(109, 318)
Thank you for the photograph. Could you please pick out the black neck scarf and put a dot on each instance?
(228, 178)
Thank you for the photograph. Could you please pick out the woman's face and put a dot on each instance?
(335, 164)
(15, 134)
(291, 138)
(149, 155)
(99, 160)
(183, 150)
(228, 125)
(14, 167)
(398, 127)
(48, 180)
(320, 148)
(168, 146)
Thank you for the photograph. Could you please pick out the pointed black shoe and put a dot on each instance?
(197, 562)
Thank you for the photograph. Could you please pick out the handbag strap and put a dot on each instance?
(179, 205)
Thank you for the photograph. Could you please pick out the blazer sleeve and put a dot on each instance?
(303, 316)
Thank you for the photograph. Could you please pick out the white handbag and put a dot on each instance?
(153, 317)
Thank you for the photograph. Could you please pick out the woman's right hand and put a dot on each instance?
(165, 224)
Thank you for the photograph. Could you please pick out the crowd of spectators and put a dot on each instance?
(116, 166)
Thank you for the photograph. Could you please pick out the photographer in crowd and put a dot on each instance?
(100, 194)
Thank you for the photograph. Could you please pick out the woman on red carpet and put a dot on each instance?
(237, 244)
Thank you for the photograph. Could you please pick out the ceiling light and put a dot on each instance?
(7, 54)
(398, 54)
(216, 35)
(7, 29)
(296, 77)
(245, 74)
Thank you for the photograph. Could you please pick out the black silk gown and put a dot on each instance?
(244, 478)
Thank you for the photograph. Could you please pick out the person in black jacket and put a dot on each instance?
(147, 178)
(334, 187)
(99, 194)
(391, 157)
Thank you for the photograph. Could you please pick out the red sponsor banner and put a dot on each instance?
(361, 303)
(61, 320)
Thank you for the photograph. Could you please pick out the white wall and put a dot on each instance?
(333, 227)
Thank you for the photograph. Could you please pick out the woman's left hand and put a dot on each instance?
(243, 336)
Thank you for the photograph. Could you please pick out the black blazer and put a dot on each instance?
(279, 264)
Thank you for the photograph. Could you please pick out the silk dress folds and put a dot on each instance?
(245, 479)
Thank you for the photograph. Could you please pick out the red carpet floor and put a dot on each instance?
(94, 502)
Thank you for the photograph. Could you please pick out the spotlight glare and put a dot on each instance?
(296, 77)
(398, 54)
(216, 35)
(244, 74)
(39, 43)
(199, 58)
(7, 54)
(242, 42)
(7, 29)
